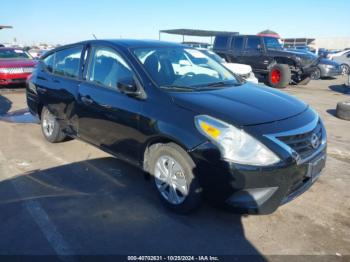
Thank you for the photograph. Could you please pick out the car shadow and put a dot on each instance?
(332, 112)
(19, 116)
(5, 105)
(340, 89)
(105, 206)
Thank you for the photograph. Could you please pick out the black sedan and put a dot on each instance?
(194, 127)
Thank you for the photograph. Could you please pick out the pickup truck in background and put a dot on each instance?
(265, 54)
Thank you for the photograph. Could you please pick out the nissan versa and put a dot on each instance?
(190, 123)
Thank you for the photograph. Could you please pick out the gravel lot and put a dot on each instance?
(72, 198)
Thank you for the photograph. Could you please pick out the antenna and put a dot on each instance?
(94, 36)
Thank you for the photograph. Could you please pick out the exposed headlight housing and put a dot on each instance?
(329, 66)
(235, 144)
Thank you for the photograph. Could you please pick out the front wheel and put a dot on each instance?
(279, 76)
(50, 127)
(316, 74)
(174, 180)
(345, 69)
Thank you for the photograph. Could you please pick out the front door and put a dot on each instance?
(253, 53)
(107, 117)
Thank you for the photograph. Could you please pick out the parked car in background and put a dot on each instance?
(198, 45)
(15, 66)
(267, 57)
(243, 71)
(326, 68)
(247, 146)
(37, 53)
(343, 58)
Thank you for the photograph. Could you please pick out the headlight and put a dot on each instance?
(235, 145)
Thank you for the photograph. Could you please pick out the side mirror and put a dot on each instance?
(259, 48)
(128, 87)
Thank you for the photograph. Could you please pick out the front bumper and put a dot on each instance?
(330, 71)
(258, 190)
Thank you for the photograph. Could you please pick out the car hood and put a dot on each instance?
(17, 63)
(325, 61)
(306, 58)
(247, 104)
(240, 69)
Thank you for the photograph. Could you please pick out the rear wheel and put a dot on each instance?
(173, 172)
(50, 127)
(279, 76)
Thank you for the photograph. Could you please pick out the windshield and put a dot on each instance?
(214, 56)
(185, 68)
(13, 54)
(272, 43)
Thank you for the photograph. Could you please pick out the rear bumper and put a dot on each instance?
(9, 79)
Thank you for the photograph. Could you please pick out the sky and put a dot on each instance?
(67, 21)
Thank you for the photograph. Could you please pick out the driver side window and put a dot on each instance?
(107, 67)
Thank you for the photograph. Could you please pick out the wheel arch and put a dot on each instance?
(163, 139)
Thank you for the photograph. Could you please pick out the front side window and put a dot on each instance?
(67, 62)
(253, 43)
(107, 68)
(272, 43)
(182, 67)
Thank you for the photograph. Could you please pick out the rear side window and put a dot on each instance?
(237, 44)
(107, 68)
(67, 62)
(221, 42)
(48, 62)
(253, 43)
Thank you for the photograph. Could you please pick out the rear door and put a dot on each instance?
(107, 117)
(57, 84)
(253, 53)
(236, 50)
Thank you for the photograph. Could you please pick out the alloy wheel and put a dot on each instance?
(170, 180)
(48, 122)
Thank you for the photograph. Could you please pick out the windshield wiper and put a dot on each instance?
(220, 84)
(176, 87)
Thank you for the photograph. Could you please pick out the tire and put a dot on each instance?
(343, 110)
(190, 196)
(304, 81)
(345, 69)
(279, 76)
(50, 127)
(316, 74)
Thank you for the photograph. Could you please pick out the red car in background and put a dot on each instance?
(16, 66)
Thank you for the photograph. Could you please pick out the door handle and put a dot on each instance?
(86, 100)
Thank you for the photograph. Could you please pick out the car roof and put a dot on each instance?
(134, 43)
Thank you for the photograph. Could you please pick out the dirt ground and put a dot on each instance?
(71, 198)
